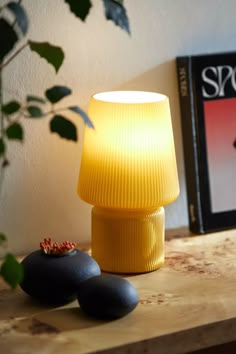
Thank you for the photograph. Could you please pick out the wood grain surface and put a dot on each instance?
(187, 305)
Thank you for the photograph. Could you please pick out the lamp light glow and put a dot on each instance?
(128, 172)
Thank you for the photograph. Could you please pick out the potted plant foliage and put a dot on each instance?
(14, 24)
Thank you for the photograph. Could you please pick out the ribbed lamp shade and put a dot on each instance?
(128, 164)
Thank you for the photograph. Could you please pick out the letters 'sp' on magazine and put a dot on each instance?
(207, 91)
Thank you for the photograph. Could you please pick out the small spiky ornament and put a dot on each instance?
(56, 248)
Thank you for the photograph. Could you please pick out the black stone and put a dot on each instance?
(107, 297)
(55, 279)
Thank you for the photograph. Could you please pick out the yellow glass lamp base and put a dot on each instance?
(128, 241)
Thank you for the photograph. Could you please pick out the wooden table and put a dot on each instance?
(187, 305)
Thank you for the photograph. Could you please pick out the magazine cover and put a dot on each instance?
(207, 91)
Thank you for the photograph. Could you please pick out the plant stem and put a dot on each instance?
(1, 104)
(13, 56)
(22, 114)
(1, 130)
(1, 113)
(53, 111)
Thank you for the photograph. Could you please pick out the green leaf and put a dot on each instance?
(15, 131)
(115, 11)
(5, 163)
(8, 38)
(2, 146)
(65, 128)
(54, 55)
(20, 15)
(85, 117)
(35, 112)
(56, 93)
(3, 238)
(12, 271)
(79, 8)
(11, 107)
(31, 98)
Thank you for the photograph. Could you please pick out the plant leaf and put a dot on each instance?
(56, 93)
(65, 128)
(3, 238)
(54, 55)
(12, 271)
(35, 112)
(5, 163)
(31, 98)
(79, 8)
(15, 131)
(2, 146)
(85, 117)
(20, 15)
(11, 107)
(116, 12)
(8, 38)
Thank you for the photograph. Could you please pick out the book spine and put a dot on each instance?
(190, 142)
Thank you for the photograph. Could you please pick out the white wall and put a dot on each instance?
(39, 189)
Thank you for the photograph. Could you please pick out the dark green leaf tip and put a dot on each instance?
(54, 55)
(3, 238)
(15, 131)
(116, 12)
(8, 41)
(35, 112)
(2, 147)
(12, 271)
(56, 93)
(11, 107)
(84, 115)
(63, 127)
(20, 15)
(5, 163)
(31, 98)
(79, 8)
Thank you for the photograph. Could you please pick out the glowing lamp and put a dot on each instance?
(128, 172)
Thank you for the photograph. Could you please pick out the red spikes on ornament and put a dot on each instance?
(56, 248)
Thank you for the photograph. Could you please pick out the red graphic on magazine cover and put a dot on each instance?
(220, 125)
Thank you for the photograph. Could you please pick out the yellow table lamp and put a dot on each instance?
(128, 172)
